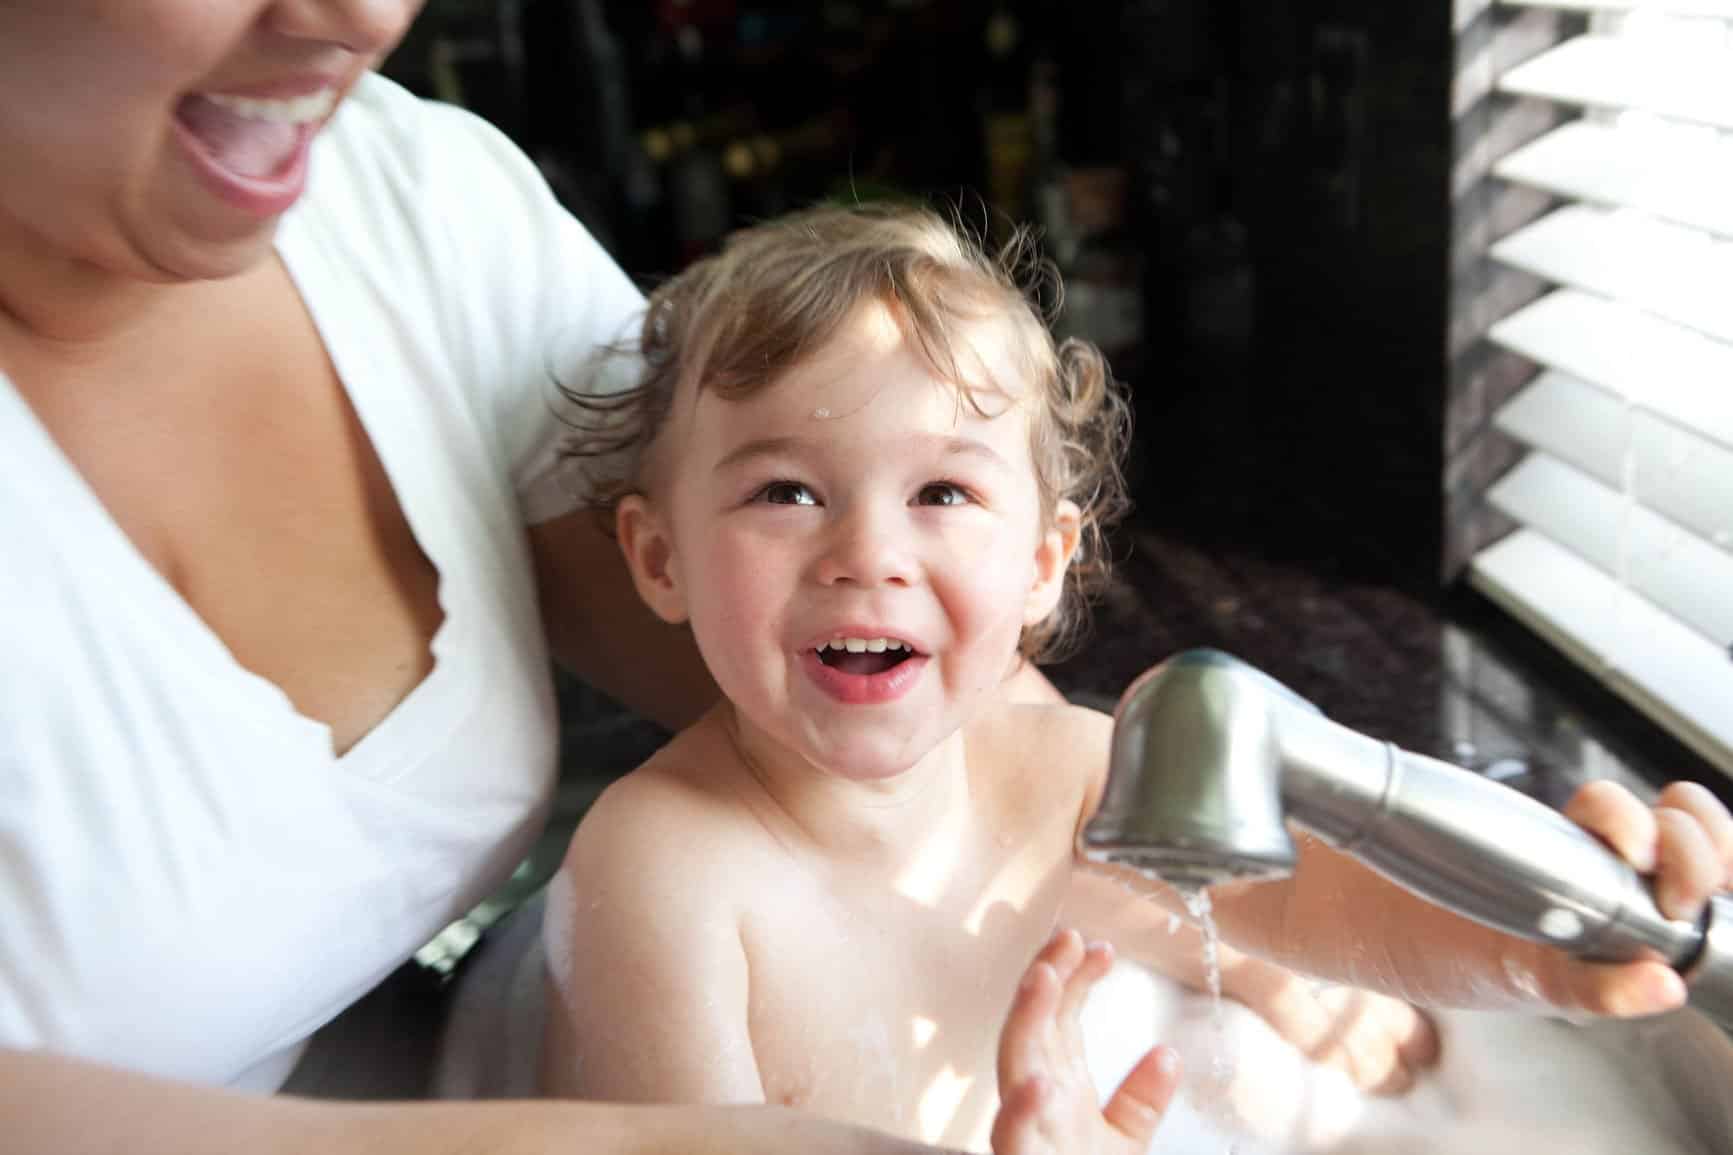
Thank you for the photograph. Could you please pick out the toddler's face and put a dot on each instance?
(857, 549)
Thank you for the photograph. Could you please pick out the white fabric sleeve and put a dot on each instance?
(540, 303)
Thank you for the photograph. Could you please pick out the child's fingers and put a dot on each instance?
(1096, 962)
(1137, 1107)
(1696, 800)
(1416, 1034)
(1613, 813)
(1687, 868)
(1023, 1042)
(1017, 1129)
(1064, 953)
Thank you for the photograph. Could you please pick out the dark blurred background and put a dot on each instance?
(1270, 216)
(1248, 201)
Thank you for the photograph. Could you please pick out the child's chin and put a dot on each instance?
(865, 760)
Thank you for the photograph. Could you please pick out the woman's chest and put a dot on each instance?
(249, 483)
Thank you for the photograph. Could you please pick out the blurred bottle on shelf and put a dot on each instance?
(1006, 132)
(1102, 264)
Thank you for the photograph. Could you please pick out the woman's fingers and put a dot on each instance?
(1619, 818)
(1695, 799)
(1624, 990)
(1136, 1108)
(1688, 868)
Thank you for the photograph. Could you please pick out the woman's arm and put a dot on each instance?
(601, 630)
(1338, 919)
(53, 1106)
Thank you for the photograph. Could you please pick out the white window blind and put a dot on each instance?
(1623, 552)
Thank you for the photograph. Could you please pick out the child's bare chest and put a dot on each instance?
(883, 1007)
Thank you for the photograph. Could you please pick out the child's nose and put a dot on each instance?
(867, 547)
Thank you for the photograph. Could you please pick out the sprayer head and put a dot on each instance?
(1193, 789)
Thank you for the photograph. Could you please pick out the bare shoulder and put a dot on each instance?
(1041, 729)
(655, 833)
(1052, 754)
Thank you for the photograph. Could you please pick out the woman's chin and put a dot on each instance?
(184, 258)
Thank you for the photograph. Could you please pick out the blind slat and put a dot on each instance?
(1682, 176)
(1720, 8)
(1677, 273)
(1673, 568)
(1691, 83)
(1680, 475)
(1673, 371)
(1676, 675)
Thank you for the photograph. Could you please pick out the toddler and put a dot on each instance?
(861, 470)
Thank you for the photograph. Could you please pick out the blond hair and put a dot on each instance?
(736, 321)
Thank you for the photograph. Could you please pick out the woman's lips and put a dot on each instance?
(253, 159)
(863, 689)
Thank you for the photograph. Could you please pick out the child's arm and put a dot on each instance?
(1048, 1099)
(645, 957)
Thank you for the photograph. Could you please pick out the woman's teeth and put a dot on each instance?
(300, 110)
(864, 645)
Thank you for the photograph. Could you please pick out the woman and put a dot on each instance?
(286, 551)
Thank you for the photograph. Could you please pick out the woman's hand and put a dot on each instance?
(1684, 844)
(1048, 1101)
(1379, 1042)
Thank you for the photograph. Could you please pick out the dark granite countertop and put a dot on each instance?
(1454, 678)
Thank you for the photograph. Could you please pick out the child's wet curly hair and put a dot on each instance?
(736, 321)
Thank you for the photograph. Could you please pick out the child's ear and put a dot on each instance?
(1053, 554)
(649, 548)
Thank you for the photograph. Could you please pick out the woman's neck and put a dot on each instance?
(65, 310)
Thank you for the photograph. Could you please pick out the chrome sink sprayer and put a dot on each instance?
(1211, 757)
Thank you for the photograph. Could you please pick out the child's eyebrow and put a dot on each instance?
(761, 447)
(797, 447)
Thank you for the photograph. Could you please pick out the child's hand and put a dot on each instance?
(1377, 1041)
(1048, 1102)
(1686, 845)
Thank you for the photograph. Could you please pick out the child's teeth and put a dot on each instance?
(865, 645)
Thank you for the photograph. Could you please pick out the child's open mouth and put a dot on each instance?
(864, 656)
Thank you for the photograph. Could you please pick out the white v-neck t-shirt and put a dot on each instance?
(191, 882)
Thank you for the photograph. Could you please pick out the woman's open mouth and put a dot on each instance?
(253, 150)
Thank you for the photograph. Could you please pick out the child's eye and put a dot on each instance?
(942, 493)
(785, 493)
